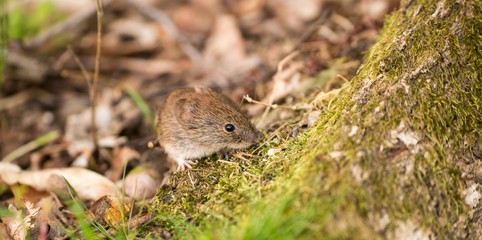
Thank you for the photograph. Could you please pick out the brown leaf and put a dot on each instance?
(121, 156)
(129, 36)
(88, 184)
(225, 46)
(109, 211)
(143, 182)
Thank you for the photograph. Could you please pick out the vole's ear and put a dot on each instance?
(184, 111)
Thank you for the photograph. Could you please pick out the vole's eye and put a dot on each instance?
(229, 127)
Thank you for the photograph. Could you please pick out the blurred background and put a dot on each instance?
(275, 51)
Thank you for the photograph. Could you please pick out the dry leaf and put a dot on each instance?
(89, 185)
(4, 232)
(108, 210)
(225, 53)
(119, 159)
(130, 35)
(285, 82)
(78, 126)
(293, 13)
(192, 19)
(17, 225)
(142, 183)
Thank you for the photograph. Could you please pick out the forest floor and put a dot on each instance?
(276, 52)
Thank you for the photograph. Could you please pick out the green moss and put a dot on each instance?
(390, 150)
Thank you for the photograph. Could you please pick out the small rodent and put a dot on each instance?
(197, 122)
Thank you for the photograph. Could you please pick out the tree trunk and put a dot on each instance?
(396, 155)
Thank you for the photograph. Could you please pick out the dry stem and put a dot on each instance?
(100, 14)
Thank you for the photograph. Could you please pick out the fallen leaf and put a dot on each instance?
(293, 13)
(78, 127)
(89, 185)
(109, 211)
(16, 224)
(4, 232)
(119, 159)
(225, 54)
(192, 19)
(142, 183)
(129, 36)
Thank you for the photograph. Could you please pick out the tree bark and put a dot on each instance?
(397, 154)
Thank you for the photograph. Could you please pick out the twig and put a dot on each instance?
(321, 20)
(36, 143)
(274, 106)
(190, 178)
(153, 143)
(246, 173)
(250, 100)
(325, 96)
(227, 162)
(100, 13)
(342, 78)
(171, 28)
(83, 70)
(139, 220)
(293, 52)
(277, 79)
(324, 16)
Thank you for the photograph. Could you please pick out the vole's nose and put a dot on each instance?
(254, 137)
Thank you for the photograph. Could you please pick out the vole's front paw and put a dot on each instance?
(185, 165)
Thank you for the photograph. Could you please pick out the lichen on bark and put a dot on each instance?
(395, 155)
